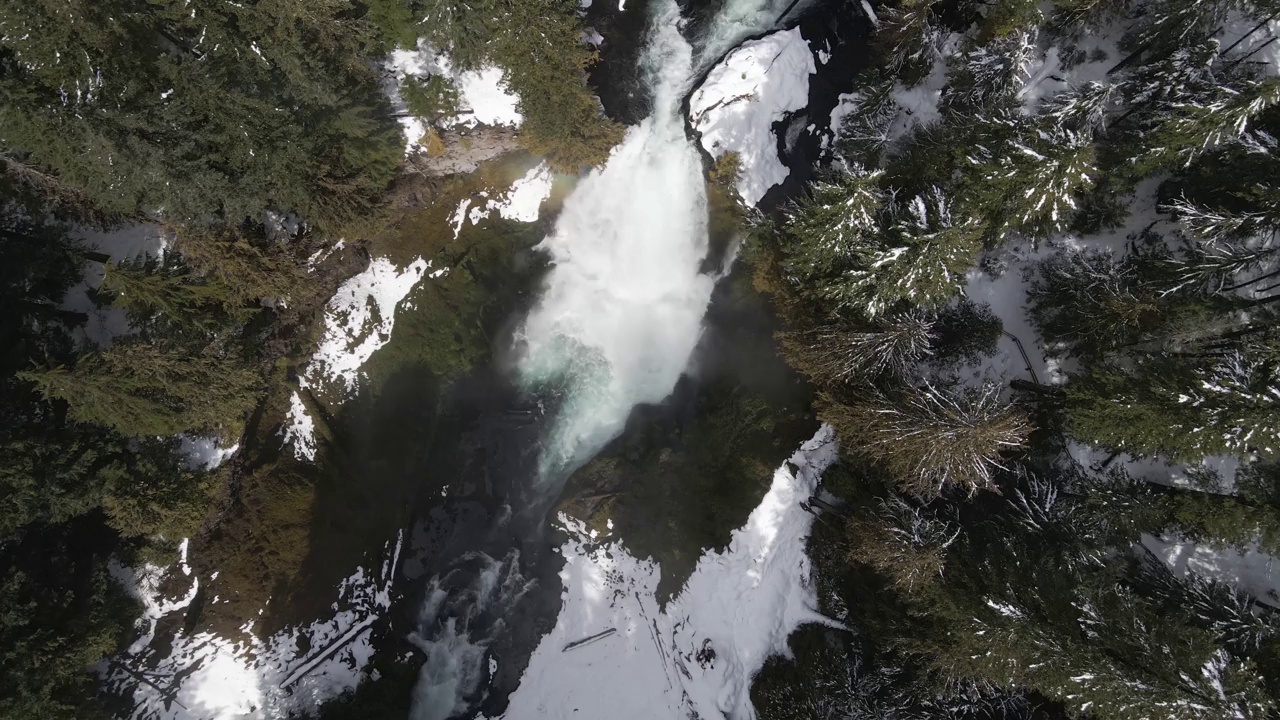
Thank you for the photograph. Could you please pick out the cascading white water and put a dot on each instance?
(453, 665)
(617, 323)
(623, 305)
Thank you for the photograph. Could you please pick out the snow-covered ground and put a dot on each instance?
(483, 96)
(358, 321)
(755, 86)
(1252, 571)
(614, 653)
(1241, 38)
(522, 203)
(208, 677)
(204, 453)
(360, 316)
(299, 430)
(123, 243)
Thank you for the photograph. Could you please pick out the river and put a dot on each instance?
(618, 318)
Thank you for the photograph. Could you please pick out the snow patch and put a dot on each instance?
(203, 453)
(1243, 38)
(918, 104)
(358, 321)
(300, 430)
(1221, 468)
(755, 86)
(123, 243)
(525, 198)
(1251, 571)
(1047, 76)
(614, 653)
(483, 96)
(871, 14)
(521, 203)
(208, 677)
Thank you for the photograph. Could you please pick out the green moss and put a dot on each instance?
(442, 325)
(676, 489)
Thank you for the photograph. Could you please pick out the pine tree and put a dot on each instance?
(462, 27)
(540, 49)
(1222, 225)
(839, 354)
(1091, 302)
(1169, 25)
(38, 264)
(903, 542)
(239, 272)
(990, 77)
(62, 614)
(920, 259)
(1082, 109)
(1183, 408)
(909, 39)
(826, 230)
(930, 439)
(199, 110)
(1028, 183)
(863, 135)
(1191, 125)
(1213, 605)
(430, 99)
(1025, 612)
(141, 390)
(164, 290)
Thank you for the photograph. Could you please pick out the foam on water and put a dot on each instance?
(623, 305)
(618, 320)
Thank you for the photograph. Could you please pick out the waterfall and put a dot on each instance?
(618, 320)
(623, 305)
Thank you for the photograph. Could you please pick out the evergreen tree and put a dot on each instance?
(1198, 122)
(200, 111)
(1093, 303)
(1223, 225)
(239, 272)
(429, 99)
(863, 135)
(909, 39)
(838, 354)
(826, 231)
(1082, 109)
(965, 332)
(60, 612)
(1036, 608)
(1213, 605)
(163, 290)
(142, 390)
(462, 27)
(1181, 407)
(1028, 184)
(920, 258)
(1169, 25)
(37, 266)
(903, 542)
(990, 76)
(539, 47)
(930, 439)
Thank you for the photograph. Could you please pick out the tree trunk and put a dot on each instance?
(1244, 37)
(1247, 283)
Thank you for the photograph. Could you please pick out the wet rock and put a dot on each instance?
(463, 153)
